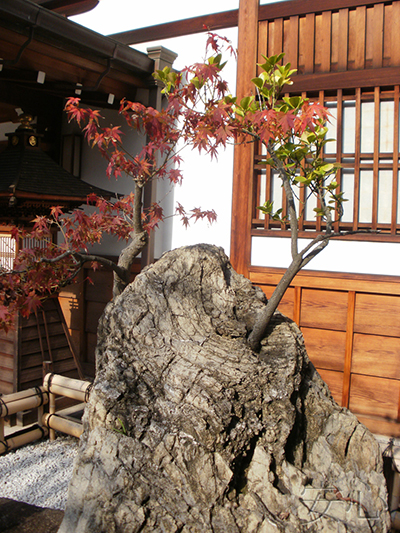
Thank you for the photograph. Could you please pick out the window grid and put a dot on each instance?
(367, 149)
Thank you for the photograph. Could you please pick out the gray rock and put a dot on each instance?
(187, 430)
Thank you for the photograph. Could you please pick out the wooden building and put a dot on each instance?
(347, 56)
(46, 58)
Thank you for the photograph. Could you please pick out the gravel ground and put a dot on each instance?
(39, 473)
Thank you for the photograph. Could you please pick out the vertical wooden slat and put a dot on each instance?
(268, 193)
(262, 40)
(351, 304)
(292, 40)
(17, 352)
(343, 38)
(360, 31)
(395, 27)
(242, 196)
(377, 38)
(325, 42)
(395, 182)
(356, 205)
(339, 144)
(376, 161)
(297, 305)
(278, 37)
(309, 43)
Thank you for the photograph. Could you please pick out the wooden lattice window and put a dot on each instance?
(7, 251)
(9, 247)
(365, 129)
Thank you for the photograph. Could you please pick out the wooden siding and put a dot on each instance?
(351, 330)
(41, 338)
(333, 39)
(83, 304)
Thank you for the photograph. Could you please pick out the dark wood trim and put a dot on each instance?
(351, 79)
(179, 28)
(304, 7)
(369, 278)
(68, 8)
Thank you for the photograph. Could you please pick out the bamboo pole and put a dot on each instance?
(21, 401)
(20, 438)
(52, 410)
(64, 425)
(71, 388)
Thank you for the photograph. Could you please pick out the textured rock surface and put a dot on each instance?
(188, 430)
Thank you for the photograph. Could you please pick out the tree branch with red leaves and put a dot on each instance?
(199, 113)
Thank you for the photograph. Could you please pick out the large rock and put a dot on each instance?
(188, 430)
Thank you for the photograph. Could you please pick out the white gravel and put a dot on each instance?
(39, 473)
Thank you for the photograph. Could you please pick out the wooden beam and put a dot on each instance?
(244, 153)
(229, 19)
(373, 77)
(178, 28)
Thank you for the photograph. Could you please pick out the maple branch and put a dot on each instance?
(139, 240)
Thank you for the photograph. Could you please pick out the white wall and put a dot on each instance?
(339, 256)
(206, 184)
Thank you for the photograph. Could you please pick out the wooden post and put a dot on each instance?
(244, 153)
(52, 410)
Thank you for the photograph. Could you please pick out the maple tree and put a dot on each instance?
(202, 114)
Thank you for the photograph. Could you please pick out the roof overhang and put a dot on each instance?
(35, 40)
(68, 8)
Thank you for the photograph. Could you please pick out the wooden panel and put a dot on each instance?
(6, 347)
(262, 41)
(377, 314)
(286, 304)
(32, 332)
(103, 279)
(395, 32)
(324, 309)
(374, 355)
(6, 375)
(325, 348)
(330, 280)
(277, 37)
(6, 387)
(335, 42)
(94, 312)
(91, 347)
(6, 361)
(334, 380)
(374, 396)
(380, 426)
(291, 41)
(358, 38)
(377, 36)
(307, 40)
(343, 31)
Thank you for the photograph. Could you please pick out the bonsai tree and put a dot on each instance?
(200, 113)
